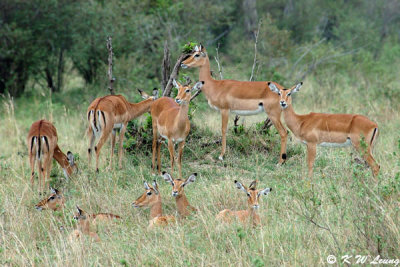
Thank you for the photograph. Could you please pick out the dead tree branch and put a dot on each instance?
(166, 66)
(111, 79)
(219, 65)
(255, 51)
(174, 75)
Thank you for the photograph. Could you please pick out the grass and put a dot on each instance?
(343, 210)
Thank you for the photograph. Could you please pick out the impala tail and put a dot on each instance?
(374, 136)
(96, 119)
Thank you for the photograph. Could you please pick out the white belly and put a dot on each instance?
(118, 126)
(249, 112)
(326, 144)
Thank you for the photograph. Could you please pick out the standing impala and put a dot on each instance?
(170, 121)
(244, 216)
(178, 186)
(152, 198)
(107, 115)
(239, 97)
(328, 129)
(42, 146)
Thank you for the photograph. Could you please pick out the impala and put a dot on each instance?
(170, 121)
(106, 115)
(328, 129)
(87, 221)
(244, 216)
(182, 204)
(55, 201)
(152, 198)
(238, 97)
(42, 146)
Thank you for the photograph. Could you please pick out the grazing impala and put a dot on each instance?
(244, 216)
(86, 221)
(152, 198)
(171, 122)
(42, 146)
(328, 129)
(108, 114)
(55, 201)
(239, 97)
(182, 204)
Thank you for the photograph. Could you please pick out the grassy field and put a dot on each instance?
(343, 210)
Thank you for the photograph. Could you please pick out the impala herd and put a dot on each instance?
(111, 114)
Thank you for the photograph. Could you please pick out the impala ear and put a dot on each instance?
(198, 86)
(296, 88)
(146, 185)
(144, 95)
(53, 190)
(155, 93)
(79, 210)
(155, 186)
(240, 186)
(176, 84)
(168, 178)
(71, 158)
(190, 179)
(197, 48)
(265, 191)
(273, 87)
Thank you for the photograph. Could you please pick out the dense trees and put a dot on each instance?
(41, 39)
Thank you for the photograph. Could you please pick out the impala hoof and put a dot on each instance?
(221, 158)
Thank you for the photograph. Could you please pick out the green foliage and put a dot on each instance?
(188, 47)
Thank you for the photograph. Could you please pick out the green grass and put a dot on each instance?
(343, 210)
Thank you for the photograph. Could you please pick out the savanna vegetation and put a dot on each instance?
(53, 63)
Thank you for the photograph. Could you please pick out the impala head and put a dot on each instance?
(285, 100)
(145, 96)
(178, 184)
(150, 196)
(252, 193)
(185, 92)
(197, 57)
(72, 167)
(80, 214)
(55, 201)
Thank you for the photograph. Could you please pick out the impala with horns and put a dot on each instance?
(238, 97)
(249, 215)
(152, 198)
(328, 129)
(42, 147)
(178, 186)
(109, 114)
(170, 121)
(55, 201)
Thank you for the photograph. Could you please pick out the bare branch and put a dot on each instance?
(110, 65)
(165, 67)
(174, 75)
(195, 95)
(255, 52)
(219, 66)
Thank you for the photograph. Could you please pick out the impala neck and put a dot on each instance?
(205, 75)
(182, 204)
(137, 109)
(255, 218)
(156, 209)
(62, 159)
(292, 119)
(183, 116)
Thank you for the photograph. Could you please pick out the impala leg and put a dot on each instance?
(311, 152)
(32, 159)
(40, 168)
(154, 148)
(275, 119)
(48, 171)
(92, 138)
(106, 132)
(159, 157)
(367, 155)
(224, 119)
(171, 154)
(113, 135)
(121, 144)
(180, 152)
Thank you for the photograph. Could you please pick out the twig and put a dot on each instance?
(110, 65)
(195, 95)
(165, 67)
(219, 66)
(174, 75)
(255, 52)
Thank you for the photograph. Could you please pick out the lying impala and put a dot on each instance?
(55, 201)
(328, 129)
(170, 121)
(182, 204)
(87, 221)
(239, 97)
(108, 114)
(42, 146)
(152, 198)
(251, 214)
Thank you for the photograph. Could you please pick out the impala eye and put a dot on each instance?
(197, 55)
(52, 197)
(279, 93)
(248, 194)
(289, 94)
(149, 193)
(187, 91)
